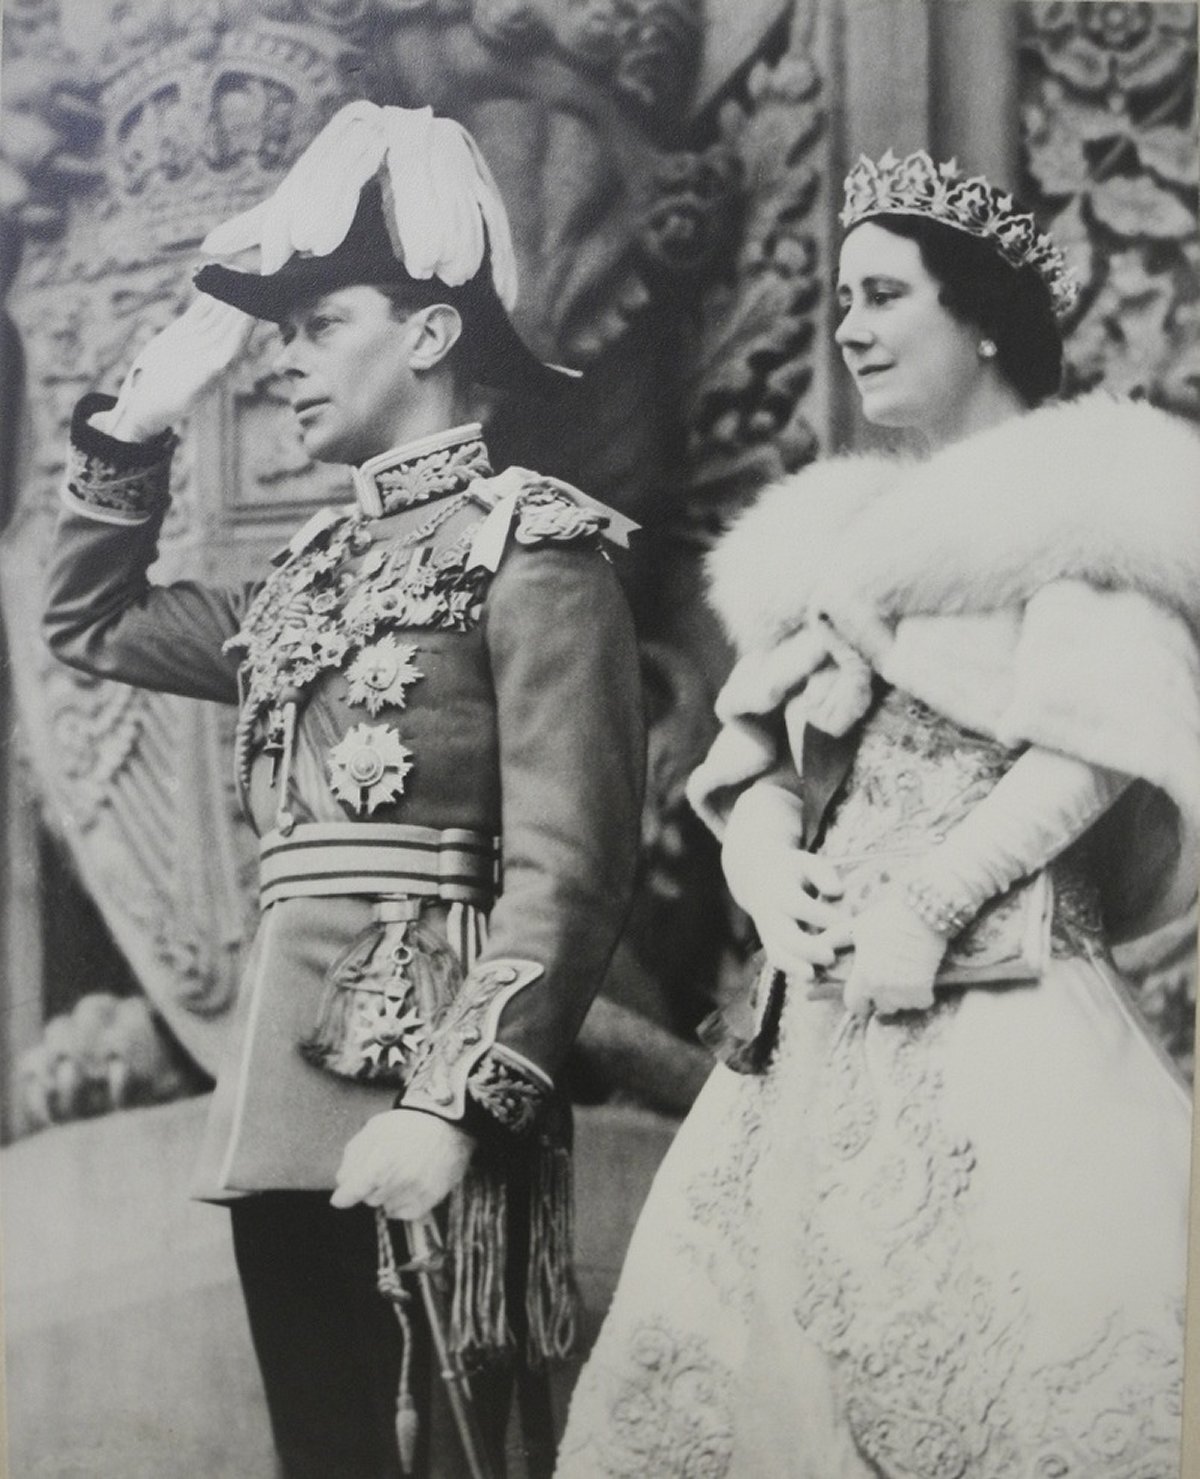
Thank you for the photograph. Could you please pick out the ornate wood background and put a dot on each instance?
(671, 170)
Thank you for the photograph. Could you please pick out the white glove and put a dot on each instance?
(1043, 803)
(789, 893)
(1038, 808)
(896, 957)
(175, 368)
(404, 1161)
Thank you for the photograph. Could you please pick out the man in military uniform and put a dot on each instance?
(440, 746)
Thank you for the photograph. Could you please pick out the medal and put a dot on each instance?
(382, 673)
(367, 767)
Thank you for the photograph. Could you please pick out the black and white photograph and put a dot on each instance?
(600, 712)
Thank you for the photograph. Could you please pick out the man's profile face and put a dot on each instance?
(345, 359)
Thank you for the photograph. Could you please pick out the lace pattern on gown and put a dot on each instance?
(915, 775)
(671, 1415)
(719, 1235)
(927, 1346)
(838, 1198)
(656, 1397)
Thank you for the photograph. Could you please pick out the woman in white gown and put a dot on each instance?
(935, 1225)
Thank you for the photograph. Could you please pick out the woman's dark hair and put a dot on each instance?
(1009, 305)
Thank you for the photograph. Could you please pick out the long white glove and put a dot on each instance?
(175, 368)
(1033, 813)
(790, 894)
(896, 958)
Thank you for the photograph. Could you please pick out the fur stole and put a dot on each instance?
(1038, 582)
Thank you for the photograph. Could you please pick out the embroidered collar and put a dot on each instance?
(421, 470)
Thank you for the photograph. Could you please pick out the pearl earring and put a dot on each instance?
(987, 349)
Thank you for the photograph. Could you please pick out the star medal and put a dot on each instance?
(367, 767)
(382, 673)
(394, 1036)
(397, 1032)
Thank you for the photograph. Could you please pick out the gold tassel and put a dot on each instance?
(478, 1244)
(408, 1424)
(551, 1294)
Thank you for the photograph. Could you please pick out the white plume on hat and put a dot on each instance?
(441, 204)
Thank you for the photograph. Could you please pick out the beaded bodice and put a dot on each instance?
(914, 776)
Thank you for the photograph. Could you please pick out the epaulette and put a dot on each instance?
(535, 510)
(547, 514)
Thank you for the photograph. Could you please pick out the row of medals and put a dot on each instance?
(313, 612)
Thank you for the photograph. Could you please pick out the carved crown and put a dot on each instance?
(200, 130)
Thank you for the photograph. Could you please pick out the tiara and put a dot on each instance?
(916, 186)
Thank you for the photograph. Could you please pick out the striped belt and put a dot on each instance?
(379, 859)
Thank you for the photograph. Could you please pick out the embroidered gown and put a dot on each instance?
(935, 1246)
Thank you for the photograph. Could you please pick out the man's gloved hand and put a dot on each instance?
(175, 368)
(896, 957)
(404, 1161)
(790, 894)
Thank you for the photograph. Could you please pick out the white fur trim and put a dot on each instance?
(1039, 582)
(763, 568)
(1099, 489)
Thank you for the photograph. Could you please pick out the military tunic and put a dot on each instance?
(440, 743)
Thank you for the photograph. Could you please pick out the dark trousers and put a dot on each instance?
(329, 1346)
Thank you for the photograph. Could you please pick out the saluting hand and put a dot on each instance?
(404, 1161)
(175, 368)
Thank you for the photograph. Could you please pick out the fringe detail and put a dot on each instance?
(478, 1243)
(482, 1245)
(552, 1303)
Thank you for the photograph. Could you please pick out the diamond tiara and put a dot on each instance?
(916, 186)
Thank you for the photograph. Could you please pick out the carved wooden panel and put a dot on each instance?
(198, 118)
(1109, 134)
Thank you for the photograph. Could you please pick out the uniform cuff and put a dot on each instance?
(446, 1075)
(510, 1090)
(113, 481)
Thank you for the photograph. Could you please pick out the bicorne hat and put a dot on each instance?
(388, 197)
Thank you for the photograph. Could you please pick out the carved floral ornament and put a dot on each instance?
(647, 51)
(1109, 137)
(752, 362)
(1109, 140)
(1106, 43)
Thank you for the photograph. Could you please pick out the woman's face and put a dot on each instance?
(915, 364)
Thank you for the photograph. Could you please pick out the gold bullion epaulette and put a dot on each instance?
(535, 509)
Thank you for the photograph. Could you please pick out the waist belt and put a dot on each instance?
(379, 859)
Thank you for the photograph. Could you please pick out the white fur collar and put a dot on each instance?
(1099, 489)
